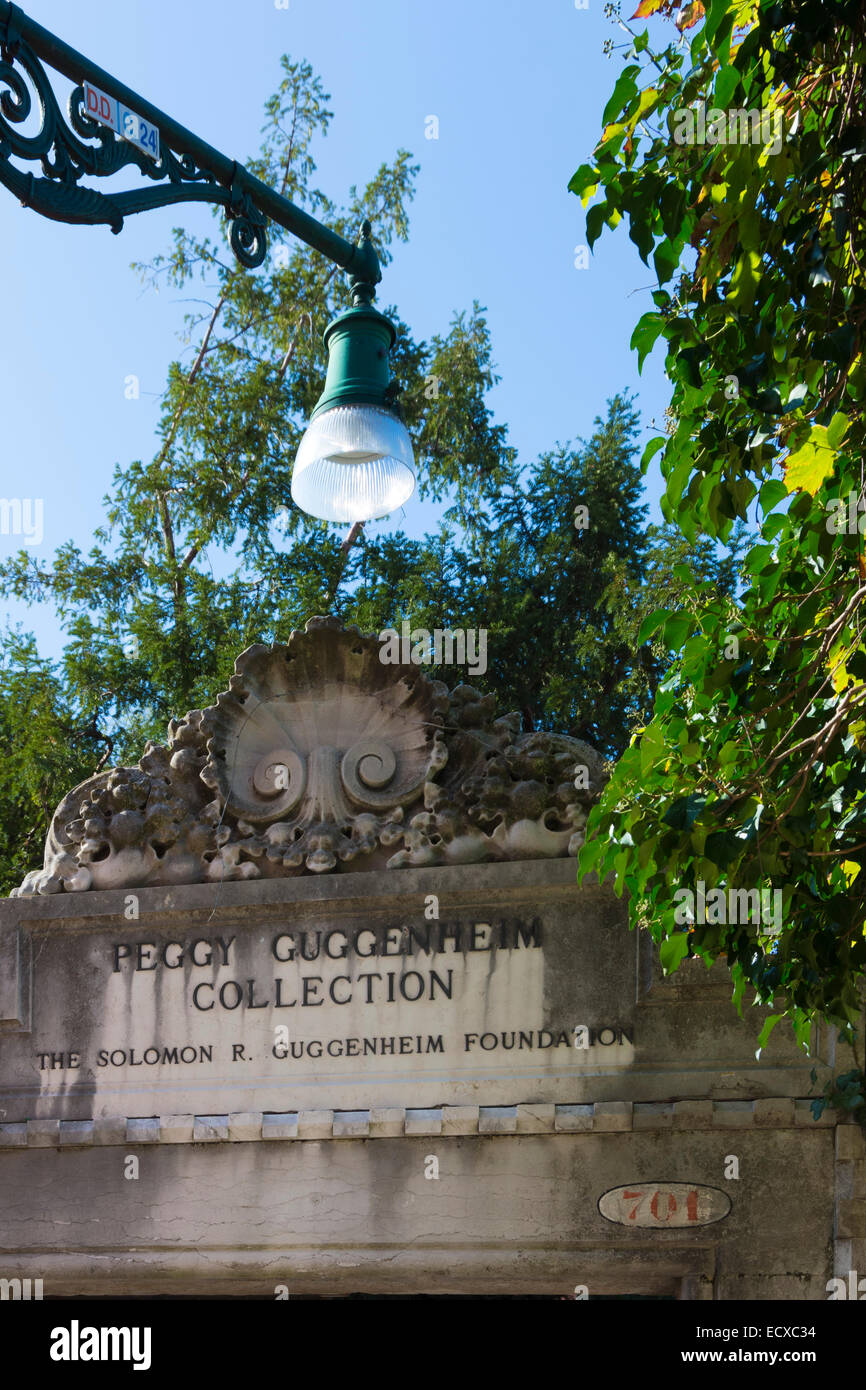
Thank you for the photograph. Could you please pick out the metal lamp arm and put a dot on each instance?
(200, 173)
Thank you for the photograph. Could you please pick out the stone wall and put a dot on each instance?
(474, 1168)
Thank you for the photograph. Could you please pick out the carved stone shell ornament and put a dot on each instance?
(319, 757)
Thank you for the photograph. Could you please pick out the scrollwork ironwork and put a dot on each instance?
(84, 147)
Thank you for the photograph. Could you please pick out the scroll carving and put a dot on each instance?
(320, 757)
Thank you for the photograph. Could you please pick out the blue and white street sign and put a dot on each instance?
(103, 108)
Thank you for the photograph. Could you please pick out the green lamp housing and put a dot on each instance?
(355, 461)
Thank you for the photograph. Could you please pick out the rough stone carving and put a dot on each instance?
(321, 757)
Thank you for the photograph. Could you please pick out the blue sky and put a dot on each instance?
(518, 87)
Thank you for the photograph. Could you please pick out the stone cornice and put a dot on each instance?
(603, 1117)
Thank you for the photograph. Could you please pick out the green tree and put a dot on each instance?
(539, 584)
(46, 748)
(734, 151)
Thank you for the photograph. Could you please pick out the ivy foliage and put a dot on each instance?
(734, 149)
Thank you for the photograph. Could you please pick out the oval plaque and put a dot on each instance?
(664, 1204)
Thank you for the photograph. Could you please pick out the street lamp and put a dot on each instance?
(355, 461)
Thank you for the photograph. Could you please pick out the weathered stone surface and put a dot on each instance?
(318, 757)
(535, 1119)
(176, 1129)
(76, 1132)
(733, 1114)
(198, 1005)
(423, 1122)
(315, 1124)
(386, 1121)
(611, 1115)
(653, 1115)
(775, 1111)
(851, 1219)
(510, 1214)
(43, 1133)
(109, 1129)
(850, 1142)
(351, 1124)
(497, 1119)
(280, 1126)
(693, 1114)
(570, 1119)
(244, 1126)
(209, 1129)
(460, 1119)
(142, 1131)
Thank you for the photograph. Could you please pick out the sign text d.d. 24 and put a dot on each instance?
(103, 108)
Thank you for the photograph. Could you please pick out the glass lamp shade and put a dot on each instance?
(355, 462)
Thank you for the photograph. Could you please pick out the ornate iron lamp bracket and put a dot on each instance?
(187, 170)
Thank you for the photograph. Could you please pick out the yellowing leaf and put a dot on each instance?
(690, 15)
(836, 666)
(808, 467)
(648, 98)
(612, 130)
(857, 730)
(850, 870)
(744, 280)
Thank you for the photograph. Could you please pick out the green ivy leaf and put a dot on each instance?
(676, 630)
(623, 93)
(651, 624)
(673, 951)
